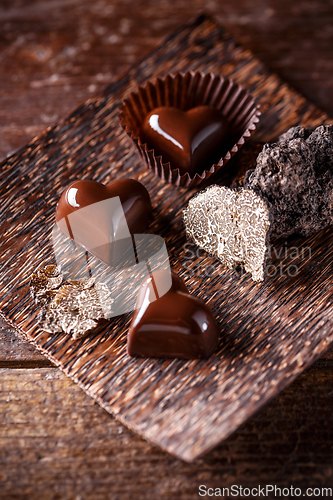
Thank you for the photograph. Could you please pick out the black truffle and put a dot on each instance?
(295, 178)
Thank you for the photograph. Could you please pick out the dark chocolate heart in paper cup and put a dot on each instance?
(187, 126)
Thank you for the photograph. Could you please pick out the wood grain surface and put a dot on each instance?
(55, 54)
(294, 40)
(269, 332)
(67, 447)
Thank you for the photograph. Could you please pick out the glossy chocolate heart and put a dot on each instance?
(175, 325)
(102, 218)
(191, 141)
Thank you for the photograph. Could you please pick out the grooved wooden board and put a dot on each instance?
(269, 332)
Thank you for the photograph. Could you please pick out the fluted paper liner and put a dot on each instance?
(185, 91)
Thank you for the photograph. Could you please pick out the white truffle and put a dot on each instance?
(232, 225)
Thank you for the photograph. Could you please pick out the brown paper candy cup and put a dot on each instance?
(186, 91)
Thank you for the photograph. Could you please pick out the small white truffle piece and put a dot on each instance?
(77, 307)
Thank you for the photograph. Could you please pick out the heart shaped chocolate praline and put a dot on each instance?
(192, 141)
(133, 195)
(175, 325)
(118, 211)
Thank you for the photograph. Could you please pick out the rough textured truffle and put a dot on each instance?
(231, 224)
(289, 191)
(44, 282)
(295, 133)
(76, 307)
(295, 178)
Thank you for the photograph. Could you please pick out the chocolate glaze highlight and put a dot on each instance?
(176, 325)
(119, 210)
(191, 141)
(133, 195)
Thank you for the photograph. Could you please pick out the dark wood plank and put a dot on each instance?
(16, 352)
(48, 66)
(56, 442)
(266, 342)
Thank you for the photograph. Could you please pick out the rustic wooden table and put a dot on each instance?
(55, 442)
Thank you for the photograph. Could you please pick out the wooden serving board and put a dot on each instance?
(270, 332)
